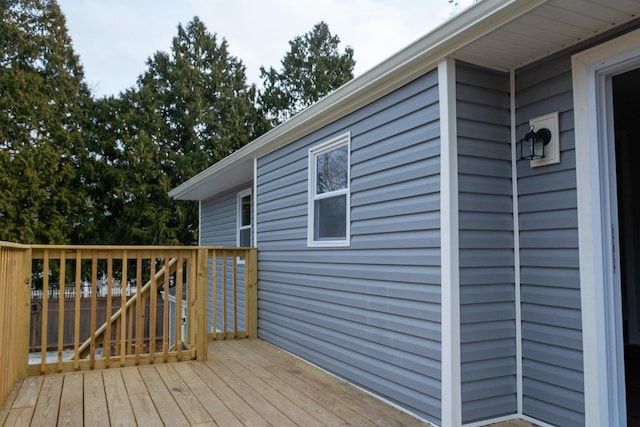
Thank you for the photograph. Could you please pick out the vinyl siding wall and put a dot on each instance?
(487, 283)
(552, 365)
(370, 312)
(219, 225)
(553, 384)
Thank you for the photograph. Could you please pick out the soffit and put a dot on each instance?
(549, 28)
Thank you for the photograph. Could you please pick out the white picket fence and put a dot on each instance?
(85, 292)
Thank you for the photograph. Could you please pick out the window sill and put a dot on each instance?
(329, 244)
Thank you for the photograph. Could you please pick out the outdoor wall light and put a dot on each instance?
(532, 145)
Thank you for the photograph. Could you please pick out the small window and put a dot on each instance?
(245, 216)
(329, 197)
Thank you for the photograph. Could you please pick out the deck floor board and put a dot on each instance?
(319, 413)
(211, 402)
(46, 410)
(95, 412)
(143, 407)
(117, 399)
(167, 407)
(259, 403)
(28, 394)
(8, 403)
(71, 412)
(19, 417)
(240, 408)
(291, 408)
(244, 383)
(184, 396)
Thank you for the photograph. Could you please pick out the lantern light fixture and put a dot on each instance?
(533, 143)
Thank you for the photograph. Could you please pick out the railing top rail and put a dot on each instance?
(121, 247)
(131, 251)
(12, 245)
(115, 247)
(112, 247)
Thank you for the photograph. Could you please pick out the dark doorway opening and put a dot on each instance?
(626, 94)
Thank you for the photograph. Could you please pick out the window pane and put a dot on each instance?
(245, 214)
(245, 237)
(330, 218)
(331, 170)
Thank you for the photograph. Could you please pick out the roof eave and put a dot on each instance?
(398, 70)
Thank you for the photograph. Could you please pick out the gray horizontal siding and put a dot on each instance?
(487, 296)
(369, 312)
(553, 384)
(218, 218)
(219, 225)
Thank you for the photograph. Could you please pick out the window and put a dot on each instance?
(329, 197)
(245, 216)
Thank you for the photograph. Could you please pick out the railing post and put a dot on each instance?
(15, 283)
(251, 292)
(201, 307)
(24, 313)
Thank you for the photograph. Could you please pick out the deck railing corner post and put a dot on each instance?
(201, 303)
(25, 317)
(252, 292)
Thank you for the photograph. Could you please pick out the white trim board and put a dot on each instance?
(449, 229)
(508, 419)
(199, 222)
(601, 323)
(516, 242)
(254, 199)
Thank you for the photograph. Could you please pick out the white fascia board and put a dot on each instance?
(408, 64)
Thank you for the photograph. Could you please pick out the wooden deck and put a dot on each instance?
(244, 383)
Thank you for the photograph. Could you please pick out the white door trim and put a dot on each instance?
(597, 226)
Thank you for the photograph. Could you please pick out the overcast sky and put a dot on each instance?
(114, 38)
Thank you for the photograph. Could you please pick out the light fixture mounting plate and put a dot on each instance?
(552, 149)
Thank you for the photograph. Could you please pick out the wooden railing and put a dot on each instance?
(157, 304)
(233, 311)
(207, 292)
(15, 274)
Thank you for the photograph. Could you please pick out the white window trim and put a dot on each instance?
(239, 226)
(344, 139)
(601, 324)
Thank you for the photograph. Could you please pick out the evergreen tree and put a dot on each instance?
(191, 108)
(311, 69)
(126, 186)
(42, 102)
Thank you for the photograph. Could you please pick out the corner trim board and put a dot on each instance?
(516, 243)
(199, 222)
(450, 248)
(255, 202)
